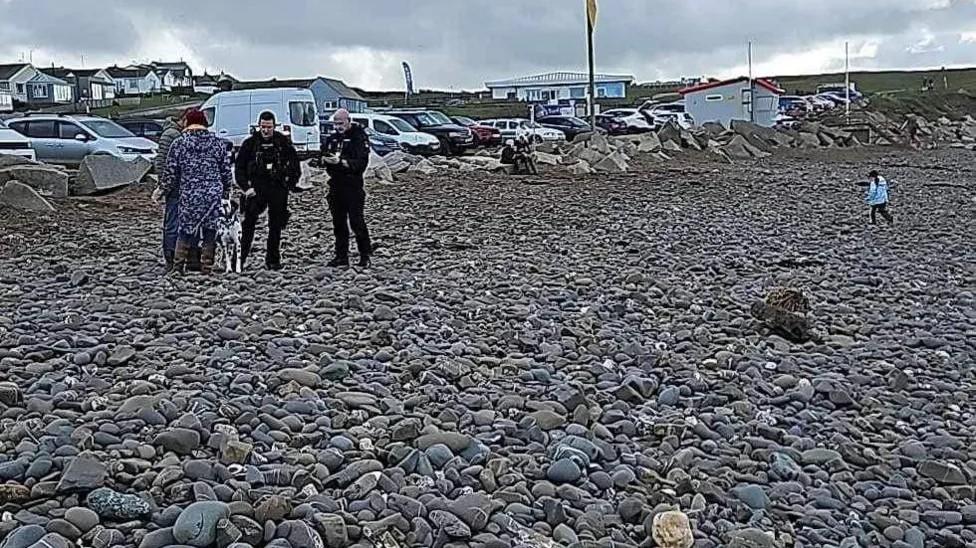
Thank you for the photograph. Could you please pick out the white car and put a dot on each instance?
(635, 120)
(15, 144)
(682, 119)
(513, 128)
(411, 140)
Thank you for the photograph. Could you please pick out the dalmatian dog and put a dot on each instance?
(229, 230)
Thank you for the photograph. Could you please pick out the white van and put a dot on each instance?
(233, 115)
(411, 140)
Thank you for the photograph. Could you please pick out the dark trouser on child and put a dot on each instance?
(883, 210)
(275, 201)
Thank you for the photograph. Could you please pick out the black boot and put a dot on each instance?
(338, 261)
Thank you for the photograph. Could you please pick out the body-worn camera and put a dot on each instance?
(331, 141)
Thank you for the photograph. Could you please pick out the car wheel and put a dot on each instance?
(536, 139)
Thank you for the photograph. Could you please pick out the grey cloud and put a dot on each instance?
(463, 43)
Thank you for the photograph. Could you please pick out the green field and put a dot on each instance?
(884, 82)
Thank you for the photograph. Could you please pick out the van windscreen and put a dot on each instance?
(302, 113)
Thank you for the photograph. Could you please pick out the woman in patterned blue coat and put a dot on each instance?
(199, 166)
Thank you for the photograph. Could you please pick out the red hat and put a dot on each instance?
(195, 117)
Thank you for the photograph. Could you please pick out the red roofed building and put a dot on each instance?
(730, 100)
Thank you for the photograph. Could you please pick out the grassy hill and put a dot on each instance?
(886, 82)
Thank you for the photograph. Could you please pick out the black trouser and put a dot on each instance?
(275, 200)
(346, 203)
(883, 210)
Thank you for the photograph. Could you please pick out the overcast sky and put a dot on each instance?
(460, 44)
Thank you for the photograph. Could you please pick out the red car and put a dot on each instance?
(483, 135)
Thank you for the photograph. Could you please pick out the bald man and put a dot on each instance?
(347, 198)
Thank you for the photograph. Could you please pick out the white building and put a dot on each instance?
(730, 100)
(558, 86)
(14, 78)
(136, 80)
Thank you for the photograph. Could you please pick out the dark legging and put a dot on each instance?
(883, 210)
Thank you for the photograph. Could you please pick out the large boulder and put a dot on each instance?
(613, 163)
(740, 149)
(581, 167)
(99, 173)
(377, 169)
(807, 140)
(670, 132)
(47, 181)
(648, 142)
(20, 196)
(7, 160)
(548, 159)
(424, 167)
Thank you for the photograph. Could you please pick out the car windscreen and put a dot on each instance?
(441, 119)
(424, 120)
(401, 125)
(107, 129)
(302, 113)
(465, 121)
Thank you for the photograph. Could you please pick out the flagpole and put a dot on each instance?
(847, 81)
(589, 46)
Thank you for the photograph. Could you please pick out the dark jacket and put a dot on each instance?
(353, 159)
(170, 134)
(253, 160)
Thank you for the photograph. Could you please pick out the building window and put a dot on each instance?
(577, 93)
(329, 105)
(5, 86)
(714, 98)
(39, 91)
(601, 92)
(20, 89)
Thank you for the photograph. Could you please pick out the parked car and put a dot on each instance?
(144, 127)
(793, 105)
(15, 144)
(663, 108)
(483, 135)
(637, 121)
(378, 143)
(455, 139)
(837, 98)
(409, 138)
(233, 115)
(612, 124)
(67, 140)
(785, 121)
(819, 104)
(571, 126)
(682, 119)
(512, 128)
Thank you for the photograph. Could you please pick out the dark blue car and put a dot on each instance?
(379, 143)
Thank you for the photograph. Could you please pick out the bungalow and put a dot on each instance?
(46, 90)
(14, 78)
(554, 86)
(135, 80)
(6, 101)
(744, 99)
(88, 85)
(330, 94)
(174, 75)
(205, 84)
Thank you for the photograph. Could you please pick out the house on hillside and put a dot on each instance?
(44, 90)
(14, 78)
(135, 80)
(173, 75)
(330, 94)
(734, 99)
(92, 86)
(6, 101)
(559, 85)
(205, 84)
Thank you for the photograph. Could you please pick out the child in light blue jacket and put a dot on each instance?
(877, 197)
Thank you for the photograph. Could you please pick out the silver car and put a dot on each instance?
(66, 140)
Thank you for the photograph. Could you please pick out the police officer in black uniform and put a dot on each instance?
(267, 169)
(346, 163)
